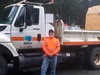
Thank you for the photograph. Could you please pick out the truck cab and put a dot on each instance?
(22, 30)
(13, 23)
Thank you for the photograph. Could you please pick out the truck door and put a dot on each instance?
(29, 36)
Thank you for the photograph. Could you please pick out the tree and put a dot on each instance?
(67, 9)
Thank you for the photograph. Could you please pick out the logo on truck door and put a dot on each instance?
(28, 40)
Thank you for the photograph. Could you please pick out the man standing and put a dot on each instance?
(51, 48)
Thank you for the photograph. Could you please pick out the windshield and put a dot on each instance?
(7, 15)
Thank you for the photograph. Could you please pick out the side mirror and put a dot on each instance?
(21, 29)
(29, 9)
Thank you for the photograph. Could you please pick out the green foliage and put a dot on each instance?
(69, 10)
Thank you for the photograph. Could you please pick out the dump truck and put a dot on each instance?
(23, 27)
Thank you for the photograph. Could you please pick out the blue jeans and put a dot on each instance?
(52, 61)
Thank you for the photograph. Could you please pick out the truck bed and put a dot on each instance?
(80, 37)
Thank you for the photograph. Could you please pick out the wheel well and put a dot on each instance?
(5, 52)
(87, 56)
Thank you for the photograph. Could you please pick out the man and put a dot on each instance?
(51, 48)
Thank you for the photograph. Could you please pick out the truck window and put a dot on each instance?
(20, 19)
(8, 14)
(35, 16)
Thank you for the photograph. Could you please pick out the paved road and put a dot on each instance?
(62, 71)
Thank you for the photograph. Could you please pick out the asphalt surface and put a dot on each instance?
(61, 71)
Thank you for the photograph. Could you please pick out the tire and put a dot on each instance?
(95, 59)
(3, 66)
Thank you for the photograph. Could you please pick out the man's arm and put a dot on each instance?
(45, 48)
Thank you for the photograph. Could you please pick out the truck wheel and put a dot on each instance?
(3, 66)
(95, 58)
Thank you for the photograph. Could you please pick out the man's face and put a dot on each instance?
(51, 34)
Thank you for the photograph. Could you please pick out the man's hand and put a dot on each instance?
(51, 54)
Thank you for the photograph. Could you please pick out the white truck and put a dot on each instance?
(23, 27)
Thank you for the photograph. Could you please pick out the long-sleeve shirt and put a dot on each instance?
(51, 45)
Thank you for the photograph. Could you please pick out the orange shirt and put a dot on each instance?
(51, 45)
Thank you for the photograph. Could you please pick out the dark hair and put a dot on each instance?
(51, 31)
